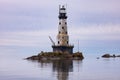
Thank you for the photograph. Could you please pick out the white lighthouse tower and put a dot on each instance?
(62, 37)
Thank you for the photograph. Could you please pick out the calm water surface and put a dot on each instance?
(13, 67)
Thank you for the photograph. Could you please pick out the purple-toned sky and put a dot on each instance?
(26, 24)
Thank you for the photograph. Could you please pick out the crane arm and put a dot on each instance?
(51, 40)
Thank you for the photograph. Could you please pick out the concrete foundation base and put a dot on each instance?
(67, 49)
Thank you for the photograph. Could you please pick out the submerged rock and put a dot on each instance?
(109, 56)
(106, 55)
(118, 55)
(97, 58)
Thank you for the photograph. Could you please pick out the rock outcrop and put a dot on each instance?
(56, 56)
(110, 56)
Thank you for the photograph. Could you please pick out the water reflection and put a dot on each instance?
(60, 67)
(63, 67)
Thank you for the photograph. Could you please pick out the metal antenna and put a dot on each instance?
(78, 45)
(51, 40)
(59, 8)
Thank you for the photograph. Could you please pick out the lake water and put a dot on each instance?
(13, 67)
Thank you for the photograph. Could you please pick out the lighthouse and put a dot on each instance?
(62, 36)
(62, 49)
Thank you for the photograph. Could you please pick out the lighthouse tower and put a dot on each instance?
(62, 36)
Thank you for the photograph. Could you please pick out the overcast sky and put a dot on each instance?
(28, 23)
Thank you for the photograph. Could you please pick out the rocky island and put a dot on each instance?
(62, 49)
(110, 56)
(56, 56)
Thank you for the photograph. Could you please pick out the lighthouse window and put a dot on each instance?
(66, 32)
(62, 27)
(58, 42)
(59, 32)
(67, 42)
(65, 23)
(59, 23)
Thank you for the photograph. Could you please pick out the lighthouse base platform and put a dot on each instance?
(63, 49)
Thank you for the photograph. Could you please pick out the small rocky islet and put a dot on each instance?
(56, 56)
(110, 56)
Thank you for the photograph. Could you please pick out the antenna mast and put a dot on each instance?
(78, 45)
(51, 40)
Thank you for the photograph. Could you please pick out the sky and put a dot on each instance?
(26, 24)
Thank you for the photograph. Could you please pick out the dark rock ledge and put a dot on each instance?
(56, 56)
(110, 56)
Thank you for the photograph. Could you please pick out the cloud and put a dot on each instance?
(109, 32)
(28, 23)
(25, 38)
(95, 6)
(96, 32)
(37, 14)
